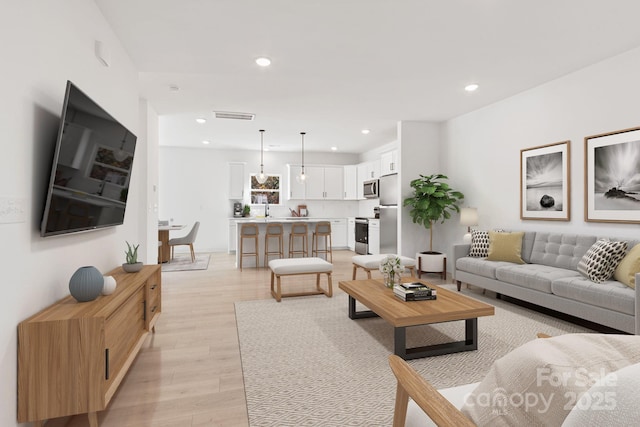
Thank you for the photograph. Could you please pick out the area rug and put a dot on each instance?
(182, 262)
(305, 363)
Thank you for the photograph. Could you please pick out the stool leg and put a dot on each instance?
(241, 251)
(256, 251)
(353, 276)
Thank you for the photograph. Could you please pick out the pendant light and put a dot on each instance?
(302, 177)
(261, 178)
(121, 155)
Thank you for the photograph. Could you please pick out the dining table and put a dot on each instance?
(163, 239)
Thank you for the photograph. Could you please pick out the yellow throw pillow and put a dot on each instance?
(506, 247)
(628, 267)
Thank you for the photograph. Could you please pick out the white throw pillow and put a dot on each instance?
(611, 401)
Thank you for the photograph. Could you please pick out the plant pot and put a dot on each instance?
(431, 262)
(132, 268)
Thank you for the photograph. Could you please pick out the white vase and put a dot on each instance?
(109, 285)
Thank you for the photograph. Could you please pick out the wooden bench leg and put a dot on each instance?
(368, 273)
(330, 294)
(279, 290)
(459, 284)
(355, 268)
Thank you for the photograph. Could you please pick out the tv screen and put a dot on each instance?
(91, 169)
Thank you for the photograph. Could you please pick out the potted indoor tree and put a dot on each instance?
(432, 200)
(132, 265)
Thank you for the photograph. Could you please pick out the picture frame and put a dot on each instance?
(545, 182)
(612, 177)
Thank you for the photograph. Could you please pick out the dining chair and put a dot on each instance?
(186, 241)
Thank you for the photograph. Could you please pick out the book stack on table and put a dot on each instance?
(414, 292)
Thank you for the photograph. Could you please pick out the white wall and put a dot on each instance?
(419, 154)
(194, 186)
(481, 150)
(44, 44)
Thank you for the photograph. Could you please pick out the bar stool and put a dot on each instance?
(298, 230)
(273, 231)
(248, 231)
(323, 229)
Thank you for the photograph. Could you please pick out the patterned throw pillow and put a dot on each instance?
(601, 260)
(479, 244)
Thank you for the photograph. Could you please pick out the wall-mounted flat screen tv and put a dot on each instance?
(91, 170)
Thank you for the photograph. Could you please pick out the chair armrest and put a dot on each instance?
(460, 251)
(411, 384)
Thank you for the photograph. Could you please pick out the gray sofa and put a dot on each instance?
(549, 278)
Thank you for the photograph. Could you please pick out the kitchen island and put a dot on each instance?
(337, 225)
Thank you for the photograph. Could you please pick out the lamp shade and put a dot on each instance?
(469, 216)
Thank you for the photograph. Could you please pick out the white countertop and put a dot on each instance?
(256, 219)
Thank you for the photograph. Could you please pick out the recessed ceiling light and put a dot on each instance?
(201, 120)
(334, 148)
(471, 88)
(365, 131)
(206, 142)
(174, 88)
(263, 61)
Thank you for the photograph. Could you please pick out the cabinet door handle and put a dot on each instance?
(106, 363)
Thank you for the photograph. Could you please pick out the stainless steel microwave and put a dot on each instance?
(371, 189)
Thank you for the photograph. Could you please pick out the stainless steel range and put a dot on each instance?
(362, 235)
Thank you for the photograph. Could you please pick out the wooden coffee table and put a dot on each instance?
(447, 307)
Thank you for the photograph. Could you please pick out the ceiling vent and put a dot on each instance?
(234, 116)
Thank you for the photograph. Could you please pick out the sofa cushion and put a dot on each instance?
(628, 267)
(560, 250)
(480, 266)
(611, 294)
(601, 260)
(505, 247)
(533, 276)
(479, 244)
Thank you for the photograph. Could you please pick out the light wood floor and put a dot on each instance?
(189, 372)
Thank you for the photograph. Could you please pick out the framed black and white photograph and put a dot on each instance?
(545, 182)
(612, 177)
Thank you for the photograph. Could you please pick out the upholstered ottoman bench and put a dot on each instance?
(372, 262)
(298, 266)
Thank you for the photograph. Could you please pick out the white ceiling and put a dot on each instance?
(339, 66)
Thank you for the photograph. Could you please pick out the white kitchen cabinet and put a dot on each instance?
(350, 182)
(339, 233)
(236, 181)
(333, 183)
(373, 169)
(389, 163)
(351, 233)
(374, 236)
(296, 189)
(232, 244)
(361, 176)
(322, 183)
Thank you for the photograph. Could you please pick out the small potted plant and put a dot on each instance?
(132, 265)
(246, 211)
